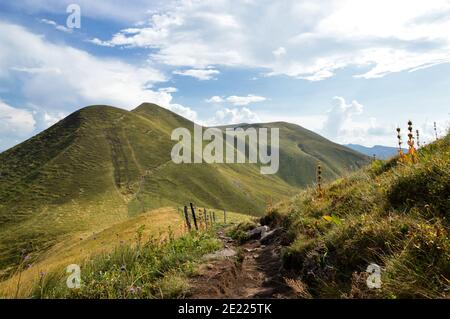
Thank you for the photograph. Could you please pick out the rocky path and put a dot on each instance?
(251, 270)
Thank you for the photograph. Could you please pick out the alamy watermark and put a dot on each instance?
(74, 279)
(374, 279)
(74, 19)
(231, 150)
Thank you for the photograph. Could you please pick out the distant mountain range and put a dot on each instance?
(381, 152)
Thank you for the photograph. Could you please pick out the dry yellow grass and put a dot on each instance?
(82, 246)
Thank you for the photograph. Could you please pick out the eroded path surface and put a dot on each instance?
(251, 270)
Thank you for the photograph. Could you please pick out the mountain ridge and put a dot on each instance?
(380, 151)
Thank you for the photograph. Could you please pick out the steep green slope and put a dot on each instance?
(301, 150)
(102, 165)
(393, 214)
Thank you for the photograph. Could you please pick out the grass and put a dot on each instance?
(83, 246)
(155, 269)
(390, 213)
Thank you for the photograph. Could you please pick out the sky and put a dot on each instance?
(350, 70)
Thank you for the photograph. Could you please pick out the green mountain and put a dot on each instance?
(102, 165)
(301, 150)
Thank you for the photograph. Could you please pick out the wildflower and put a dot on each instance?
(132, 290)
(412, 149)
(400, 150)
(418, 140)
(319, 177)
(42, 274)
(27, 257)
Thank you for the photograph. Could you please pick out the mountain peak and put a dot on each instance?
(150, 108)
(147, 106)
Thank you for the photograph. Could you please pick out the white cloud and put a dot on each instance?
(237, 100)
(200, 74)
(99, 42)
(15, 124)
(15, 121)
(345, 124)
(215, 99)
(245, 100)
(183, 111)
(279, 52)
(318, 76)
(233, 116)
(57, 26)
(427, 132)
(169, 89)
(53, 118)
(60, 79)
(36, 70)
(314, 40)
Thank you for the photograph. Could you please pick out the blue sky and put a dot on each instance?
(348, 69)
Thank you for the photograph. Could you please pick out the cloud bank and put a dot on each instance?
(308, 40)
(236, 100)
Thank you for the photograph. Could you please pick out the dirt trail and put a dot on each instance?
(254, 272)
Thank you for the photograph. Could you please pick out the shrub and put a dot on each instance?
(239, 231)
(426, 187)
(273, 219)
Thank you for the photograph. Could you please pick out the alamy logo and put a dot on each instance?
(74, 279)
(74, 19)
(237, 141)
(374, 278)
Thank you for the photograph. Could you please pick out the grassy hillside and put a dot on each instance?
(301, 149)
(155, 269)
(102, 165)
(394, 214)
(86, 248)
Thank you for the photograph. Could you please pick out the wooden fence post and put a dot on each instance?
(206, 217)
(186, 216)
(224, 216)
(319, 178)
(214, 217)
(193, 216)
